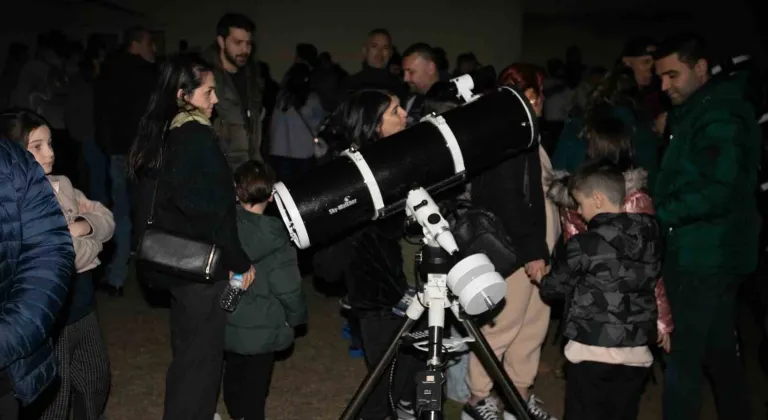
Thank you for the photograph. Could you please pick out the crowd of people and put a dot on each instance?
(636, 211)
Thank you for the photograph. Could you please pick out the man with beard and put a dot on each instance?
(705, 203)
(375, 74)
(237, 118)
(420, 66)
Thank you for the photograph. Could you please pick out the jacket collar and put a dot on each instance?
(186, 116)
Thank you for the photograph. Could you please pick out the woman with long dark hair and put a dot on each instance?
(370, 260)
(177, 153)
(297, 115)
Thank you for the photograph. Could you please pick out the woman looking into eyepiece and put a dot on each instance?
(370, 260)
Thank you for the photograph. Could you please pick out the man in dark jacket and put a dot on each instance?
(705, 201)
(121, 95)
(36, 261)
(375, 74)
(239, 87)
(420, 67)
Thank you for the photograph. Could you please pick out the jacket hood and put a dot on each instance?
(266, 234)
(634, 179)
(635, 236)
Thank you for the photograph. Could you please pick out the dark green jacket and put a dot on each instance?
(705, 191)
(571, 150)
(264, 319)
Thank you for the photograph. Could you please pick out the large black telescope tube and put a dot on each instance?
(439, 152)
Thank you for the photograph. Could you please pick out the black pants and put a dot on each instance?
(600, 391)
(9, 407)
(246, 384)
(378, 331)
(704, 310)
(197, 340)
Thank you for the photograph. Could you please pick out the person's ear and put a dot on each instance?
(271, 197)
(180, 96)
(701, 68)
(599, 200)
(220, 41)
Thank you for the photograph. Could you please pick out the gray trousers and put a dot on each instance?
(83, 370)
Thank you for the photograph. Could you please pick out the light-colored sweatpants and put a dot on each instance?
(516, 336)
(517, 333)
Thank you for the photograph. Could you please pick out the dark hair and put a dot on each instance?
(253, 182)
(183, 72)
(356, 121)
(601, 176)
(134, 34)
(296, 88)
(638, 47)
(611, 140)
(307, 52)
(689, 47)
(17, 123)
(424, 50)
(380, 31)
(234, 20)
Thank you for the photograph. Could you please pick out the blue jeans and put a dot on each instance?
(117, 271)
(96, 163)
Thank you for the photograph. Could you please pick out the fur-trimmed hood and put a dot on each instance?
(557, 190)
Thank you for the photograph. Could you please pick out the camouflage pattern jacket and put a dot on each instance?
(608, 275)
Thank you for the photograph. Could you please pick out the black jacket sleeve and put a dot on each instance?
(204, 191)
(513, 192)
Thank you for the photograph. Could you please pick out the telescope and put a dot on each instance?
(439, 152)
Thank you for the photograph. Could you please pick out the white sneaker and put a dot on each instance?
(535, 410)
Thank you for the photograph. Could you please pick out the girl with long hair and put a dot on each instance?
(297, 115)
(616, 97)
(177, 155)
(79, 345)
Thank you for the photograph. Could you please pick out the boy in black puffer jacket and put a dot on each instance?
(608, 275)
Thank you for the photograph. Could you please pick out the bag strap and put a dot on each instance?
(151, 217)
(306, 123)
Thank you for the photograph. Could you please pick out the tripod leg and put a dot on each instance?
(493, 366)
(373, 376)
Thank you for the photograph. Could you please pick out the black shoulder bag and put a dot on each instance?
(169, 253)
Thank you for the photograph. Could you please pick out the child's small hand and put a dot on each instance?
(665, 341)
(79, 228)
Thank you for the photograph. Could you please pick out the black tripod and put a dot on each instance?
(434, 267)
